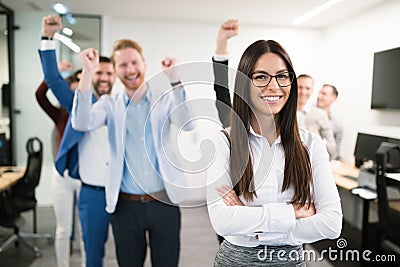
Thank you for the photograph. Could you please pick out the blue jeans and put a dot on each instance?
(94, 222)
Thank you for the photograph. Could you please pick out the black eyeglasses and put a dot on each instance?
(262, 79)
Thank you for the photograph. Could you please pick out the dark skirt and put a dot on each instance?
(231, 255)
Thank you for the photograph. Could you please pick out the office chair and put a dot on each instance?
(389, 219)
(22, 198)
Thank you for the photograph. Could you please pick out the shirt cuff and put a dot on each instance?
(221, 58)
(281, 217)
(47, 45)
(179, 93)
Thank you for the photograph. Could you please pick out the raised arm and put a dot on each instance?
(227, 30)
(182, 118)
(41, 97)
(58, 85)
(85, 116)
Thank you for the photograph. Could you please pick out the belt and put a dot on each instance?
(143, 198)
(94, 187)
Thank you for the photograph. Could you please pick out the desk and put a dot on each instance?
(9, 175)
(395, 204)
(339, 173)
(344, 169)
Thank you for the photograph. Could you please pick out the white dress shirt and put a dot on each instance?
(313, 118)
(94, 157)
(269, 219)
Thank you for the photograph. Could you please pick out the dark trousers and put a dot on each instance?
(132, 219)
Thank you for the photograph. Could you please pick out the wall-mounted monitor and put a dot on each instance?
(386, 80)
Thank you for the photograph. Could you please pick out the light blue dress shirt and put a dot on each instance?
(141, 171)
(110, 110)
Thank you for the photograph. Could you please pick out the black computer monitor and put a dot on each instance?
(393, 159)
(4, 151)
(366, 146)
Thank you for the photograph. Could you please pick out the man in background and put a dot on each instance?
(312, 117)
(326, 97)
(82, 155)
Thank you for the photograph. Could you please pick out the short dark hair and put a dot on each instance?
(103, 59)
(71, 79)
(334, 90)
(76, 74)
(305, 76)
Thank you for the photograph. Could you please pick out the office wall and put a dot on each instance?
(348, 49)
(31, 120)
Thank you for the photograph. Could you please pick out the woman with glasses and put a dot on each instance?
(270, 186)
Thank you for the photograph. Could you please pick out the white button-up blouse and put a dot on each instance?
(269, 219)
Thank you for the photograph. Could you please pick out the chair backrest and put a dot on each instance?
(25, 187)
(389, 219)
(34, 148)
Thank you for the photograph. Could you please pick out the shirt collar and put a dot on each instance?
(146, 97)
(306, 108)
(253, 133)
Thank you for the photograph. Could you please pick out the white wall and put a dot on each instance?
(348, 63)
(195, 41)
(32, 121)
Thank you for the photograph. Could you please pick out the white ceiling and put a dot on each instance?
(260, 12)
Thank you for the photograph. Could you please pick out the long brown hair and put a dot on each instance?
(297, 161)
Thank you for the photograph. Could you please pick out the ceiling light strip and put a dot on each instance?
(68, 42)
(312, 13)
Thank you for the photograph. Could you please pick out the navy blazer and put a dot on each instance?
(67, 155)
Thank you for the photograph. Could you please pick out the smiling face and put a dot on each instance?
(273, 97)
(130, 68)
(325, 97)
(305, 88)
(103, 79)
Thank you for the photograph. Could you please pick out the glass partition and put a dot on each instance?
(6, 85)
(84, 31)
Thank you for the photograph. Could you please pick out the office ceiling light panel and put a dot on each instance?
(60, 8)
(68, 31)
(314, 12)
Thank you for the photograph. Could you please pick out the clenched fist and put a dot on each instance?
(90, 59)
(169, 68)
(50, 25)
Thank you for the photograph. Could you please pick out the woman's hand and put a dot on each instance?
(229, 196)
(305, 211)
